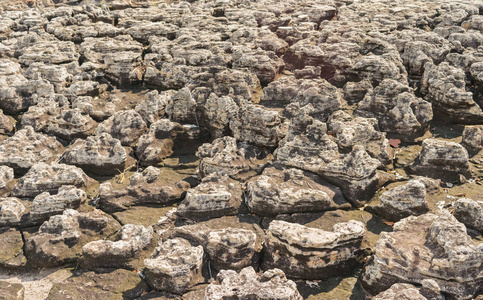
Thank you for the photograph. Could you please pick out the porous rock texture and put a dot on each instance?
(273, 136)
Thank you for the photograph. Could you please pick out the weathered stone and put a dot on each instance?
(397, 110)
(311, 253)
(218, 113)
(101, 154)
(174, 266)
(442, 159)
(11, 211)
(158, 143)
(11, 249)
(226, 156)
(232, 248)
(281, 191)
(473, 138)
(271, 284)
(11, 291)
(48, 178)
(152, 108)
(114, 284)
(45, 205)
(257, 125)
(49, 52)
(403, 201)
(144, 188)
(444, 87)
(26, 148)
(70, 124)
(432, 247)
(216, 196)
(127, 245)
(265, 64)
(126, 126)
(470, 213)
(400, 291)
(6, 124)
(6, 180)
(60, 240)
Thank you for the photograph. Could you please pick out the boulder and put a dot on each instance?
(429, 246)
(227, 156)
(101, 154)
(152, 108)
(43, 177)
(470, 213)
(402, 201)
(10, 290)
(217, 195)
(12, 211)
(311, 253)
(60, 239)
(442, 160)
(11, 249)
(271, 284)
(26, 148)
(283, 191)
(473, 138)
(127, 245)
(7, 124)
(174, 266)
(126, 126)
(6, 180)
(145, 188)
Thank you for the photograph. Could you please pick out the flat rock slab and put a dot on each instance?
(11, 249)
(11, 291)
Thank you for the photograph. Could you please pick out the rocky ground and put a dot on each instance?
(241, 149)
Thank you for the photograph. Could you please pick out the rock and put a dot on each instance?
(154, 146)
(48, 178)
(11, 249)
(57, 75)
(354, 92)
(429, 246)
(181, 107)
(145, 188)
(112, 284)
(265, 64)
(11, 211)
(6, 124)
(174, 266)
(216, 196)
(152, 108)
(311, 253)
(10, 290)
(376, 68)
(350, 131)
(46, 205)
(226, 156)
(26, 148)
(6, 180)
(126, 126)
(398, 111)
(60, 240)
(442, 159)
(473, 138)
(272, 284)
(232, 248)
(127, 245)
(49, 52)
(400, 291)
(282, 191)
(101, 154)
(71, 124)
(403, 201)
(444, 87)
(470, 213)
(257, 125)
(218, 113)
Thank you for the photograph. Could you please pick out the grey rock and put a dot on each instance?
(10, 290)
(26, 148)
(101, 154)
(152, 108)
(11, 211)
(311, 253)
(265, 64)
(272, 284)
(174, 266)
(49, 52)
(127, 245)
(473, 138)
(400, 291)
(126, 126)
(218, 112)
(403, 201)
(12, 256)
(60, 240)
(48, 178)
(70, 124)
(397, 110)
(257, 125)
(144, 188)
(6, 179)
(226, 156)
(6, 124)
(442, 159)
(216, 196)
(434, 247)
(470, 213)
(282, 191)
